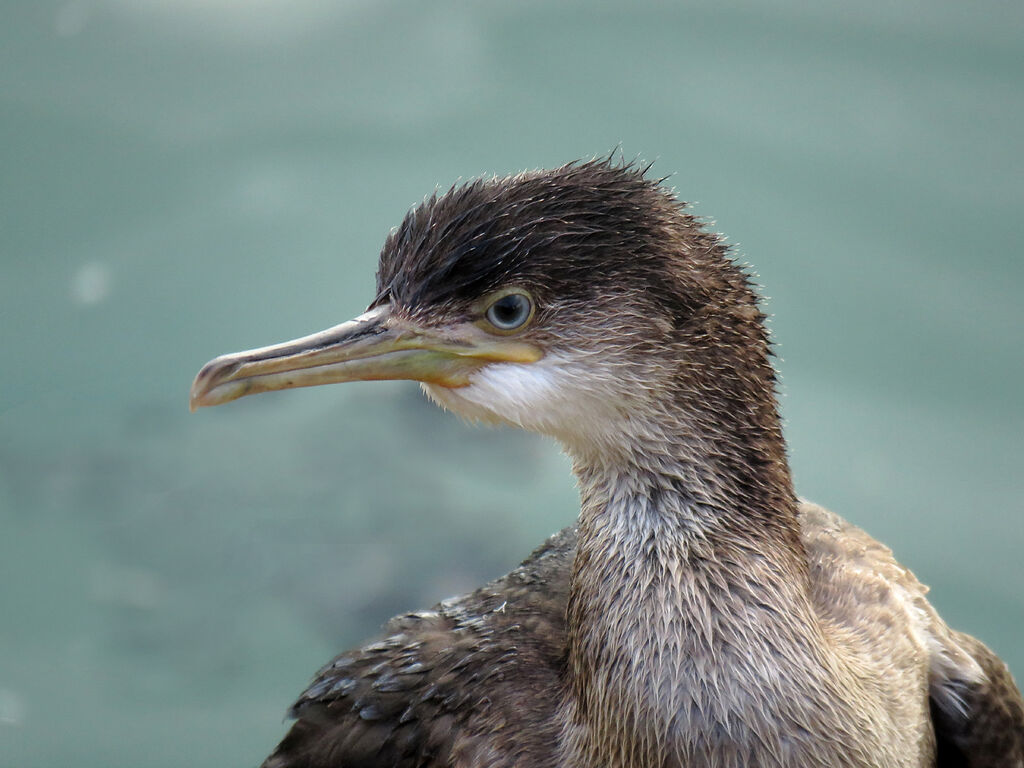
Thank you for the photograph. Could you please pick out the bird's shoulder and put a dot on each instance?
(854, 578)
(441, 686)
(879, 605)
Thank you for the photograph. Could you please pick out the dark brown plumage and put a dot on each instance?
(698, 615)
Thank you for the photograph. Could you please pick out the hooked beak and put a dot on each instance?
(374, 346)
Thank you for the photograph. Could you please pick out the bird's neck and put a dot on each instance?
(689, 575)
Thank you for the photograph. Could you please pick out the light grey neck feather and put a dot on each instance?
(685, 634)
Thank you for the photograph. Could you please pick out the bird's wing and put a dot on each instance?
(976, 707)
(440, 687)
(977, 712)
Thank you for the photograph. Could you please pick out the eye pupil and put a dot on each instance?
(509, 311)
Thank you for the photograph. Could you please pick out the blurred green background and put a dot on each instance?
(183, 178)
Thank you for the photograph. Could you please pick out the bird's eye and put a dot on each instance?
(509, 312)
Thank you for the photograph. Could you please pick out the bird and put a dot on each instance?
(698, 613)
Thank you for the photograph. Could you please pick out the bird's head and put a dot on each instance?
(569, 302)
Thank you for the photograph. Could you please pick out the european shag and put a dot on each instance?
(698, 614)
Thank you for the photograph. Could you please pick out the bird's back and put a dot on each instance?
(933, 682)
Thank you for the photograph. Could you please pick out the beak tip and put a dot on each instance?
(195, 399)
(205, 387)
(198, 394)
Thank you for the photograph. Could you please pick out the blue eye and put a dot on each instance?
(509, 312)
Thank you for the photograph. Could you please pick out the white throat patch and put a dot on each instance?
(553, 396)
